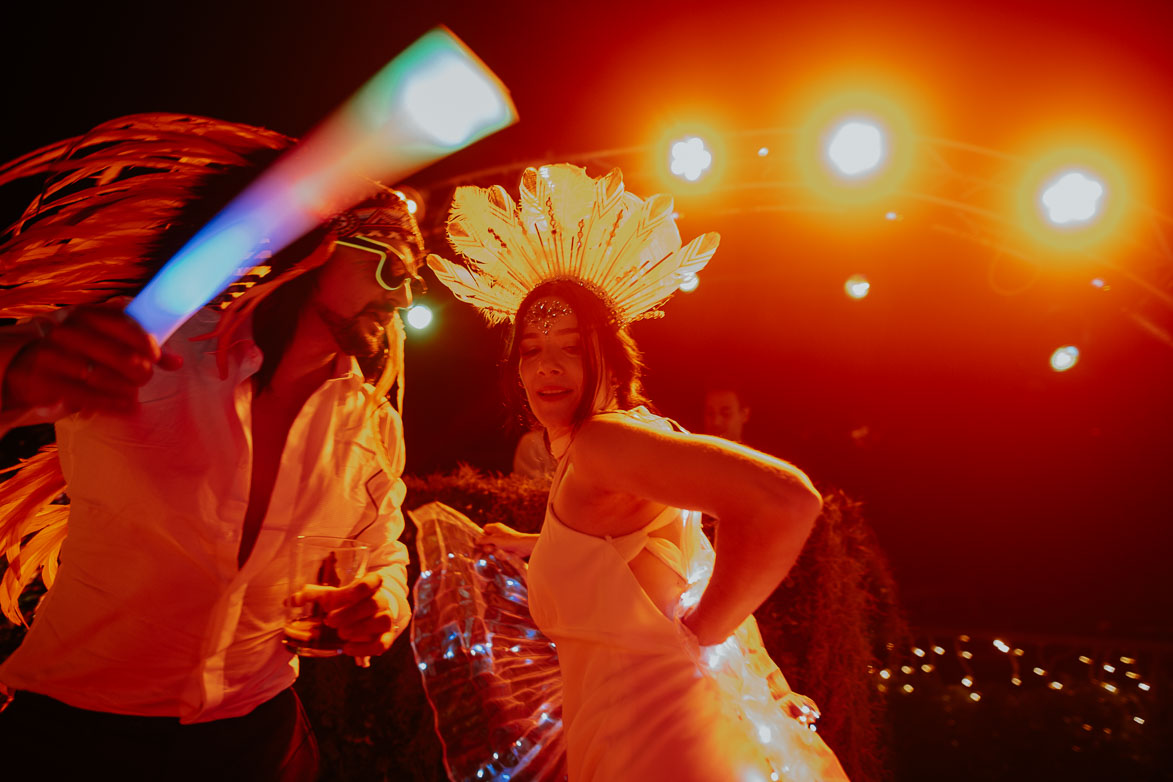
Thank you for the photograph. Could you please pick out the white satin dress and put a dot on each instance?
(642, 701)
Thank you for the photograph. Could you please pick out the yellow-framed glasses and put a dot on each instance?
(397, 263)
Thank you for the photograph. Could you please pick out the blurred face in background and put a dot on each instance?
(725, 415)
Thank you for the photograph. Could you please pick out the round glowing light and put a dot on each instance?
(857, 286)
(690, 158)
(419, 317)
(856, 148)
(1072, 197)
(412, 206)
(1064, 358)
(689, 283)
(763, 151)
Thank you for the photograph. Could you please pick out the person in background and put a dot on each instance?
(532, 458)
(725, 413)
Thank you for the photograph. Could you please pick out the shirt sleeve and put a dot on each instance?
(389, 554)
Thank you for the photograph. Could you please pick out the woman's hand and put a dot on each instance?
(800, 708)
(504, 537)
(703, 634)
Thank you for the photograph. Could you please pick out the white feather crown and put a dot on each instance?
(567, 226)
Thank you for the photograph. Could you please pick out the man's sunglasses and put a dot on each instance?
(397, 263)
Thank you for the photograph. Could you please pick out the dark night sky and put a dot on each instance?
(1007, 496)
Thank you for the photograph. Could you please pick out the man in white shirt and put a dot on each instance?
(156, 654)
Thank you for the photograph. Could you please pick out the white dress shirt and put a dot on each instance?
(150, 614)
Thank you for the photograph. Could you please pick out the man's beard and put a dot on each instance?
(362, 335)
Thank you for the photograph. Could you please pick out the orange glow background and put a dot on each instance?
(1007, 496)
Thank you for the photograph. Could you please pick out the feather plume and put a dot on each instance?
(107, 197)
(31, 527)
(39, 556)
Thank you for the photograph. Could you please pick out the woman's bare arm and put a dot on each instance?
(765, 507)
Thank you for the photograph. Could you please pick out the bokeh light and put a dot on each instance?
(690, 158)
(414, 200)
(419, 317)
(1065, 358)
(1072, 197)
(857, 286)
(856, 148)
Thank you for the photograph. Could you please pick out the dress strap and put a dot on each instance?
(632, 543)
(667, 552)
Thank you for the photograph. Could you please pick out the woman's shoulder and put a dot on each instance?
(610, 433)
(635, 417)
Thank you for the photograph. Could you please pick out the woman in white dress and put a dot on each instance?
(663, 672)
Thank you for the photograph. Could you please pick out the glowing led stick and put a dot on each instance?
(434, 98)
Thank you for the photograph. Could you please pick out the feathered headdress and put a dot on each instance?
(567, 226)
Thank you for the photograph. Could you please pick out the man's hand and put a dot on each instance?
(94, 361)
(365, 616)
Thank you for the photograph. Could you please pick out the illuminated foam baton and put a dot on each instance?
(434, 98)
